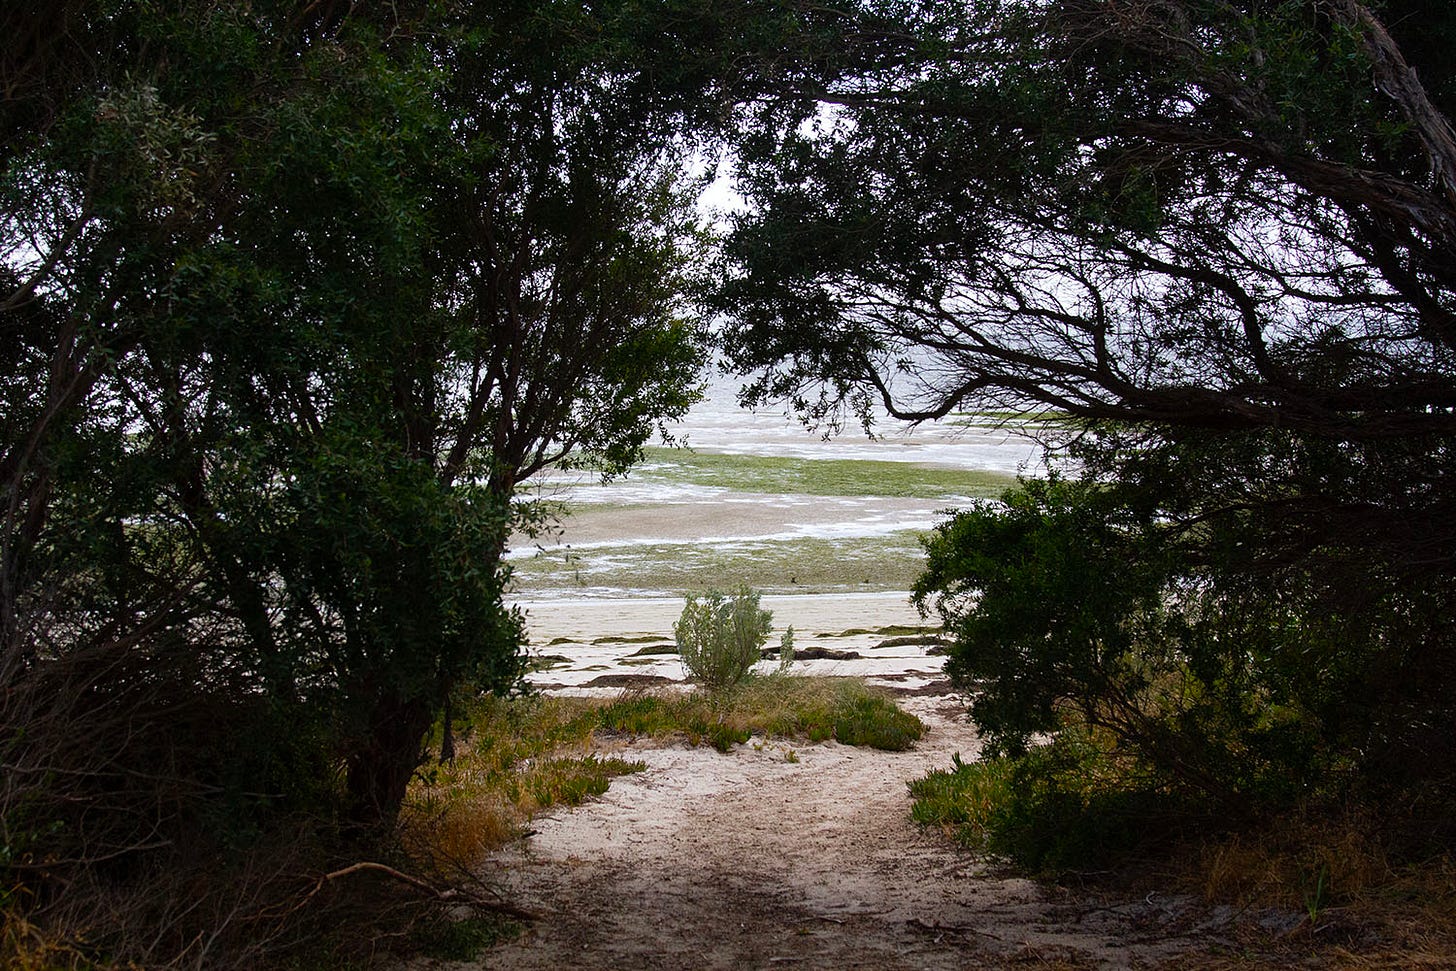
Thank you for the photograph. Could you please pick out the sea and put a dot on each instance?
(827, 528)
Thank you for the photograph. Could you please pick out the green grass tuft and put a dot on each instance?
(819, 477)
(875, 722)
(963, 799)
(636, 715)
(570, 781)
(816, 709)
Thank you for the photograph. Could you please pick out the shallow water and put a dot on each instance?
(726, 514)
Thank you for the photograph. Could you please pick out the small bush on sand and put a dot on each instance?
(721, 637)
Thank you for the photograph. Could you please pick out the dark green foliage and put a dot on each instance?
(287, 335)
(1218, 236)
(1056, 596)
(449, 939)
(223, 465)
(292, 295)
(1210, 665)
(1192, 214)
(1054, 808)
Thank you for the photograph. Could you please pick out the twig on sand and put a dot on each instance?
(916, 922)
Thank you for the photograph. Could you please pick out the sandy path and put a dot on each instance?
(750, 860)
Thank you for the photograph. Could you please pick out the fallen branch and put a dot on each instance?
(445, 895)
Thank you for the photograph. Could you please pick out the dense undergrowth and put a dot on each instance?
(1349, 887)
(1164, 677)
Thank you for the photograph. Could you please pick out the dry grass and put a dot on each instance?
(1362, 908)
(27, 947)
(454, 823)
(1297, 863)
(520, 757)
(528, 754)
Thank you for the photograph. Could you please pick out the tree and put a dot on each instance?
(1118, 215)
(210, 240)
(1188, 215)
(1164, 213)
(564, 236)
(299, 294)
(1218, 233)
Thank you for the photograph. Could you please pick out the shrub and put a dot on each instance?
(721, 637)
(1071, 804)
(1220, 674)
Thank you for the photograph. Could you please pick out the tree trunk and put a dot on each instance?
(385, 759)
(447, 734)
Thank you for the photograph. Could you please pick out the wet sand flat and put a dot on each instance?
(585, 639)
(728, 516)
